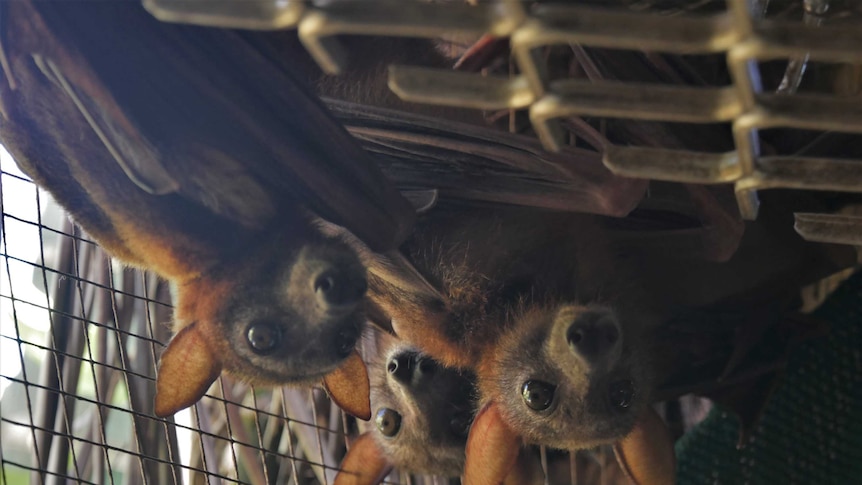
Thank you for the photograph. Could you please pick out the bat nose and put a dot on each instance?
(594, 336)
(410, 368)
(339, 290)
(401, 367)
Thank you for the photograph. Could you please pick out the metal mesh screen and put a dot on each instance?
(81, 336)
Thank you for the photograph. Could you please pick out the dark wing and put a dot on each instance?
(483, 165)
(734, 356)
(205, 113)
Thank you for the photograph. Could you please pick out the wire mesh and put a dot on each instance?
(81, 337)
(85, 412)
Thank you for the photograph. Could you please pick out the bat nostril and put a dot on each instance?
(593, 336)
(401, 367)
(426, 366)
(339, 290)
(324, 283)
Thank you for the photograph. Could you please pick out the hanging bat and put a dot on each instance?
(423, 412)
(174, 158)
(557, 319)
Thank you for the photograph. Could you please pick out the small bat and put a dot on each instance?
(173, 157)
(423, 412)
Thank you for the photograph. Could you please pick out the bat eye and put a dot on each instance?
(621, 394)
(388, 422)
(538, 395)
(263, 336)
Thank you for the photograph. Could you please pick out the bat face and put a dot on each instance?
(422, 412)
(571, 377)
(289, 314)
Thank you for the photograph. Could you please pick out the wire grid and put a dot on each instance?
(740, 31)
(121, 315)
(80, 340)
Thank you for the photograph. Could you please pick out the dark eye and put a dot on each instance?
(538, 395)
(388, 422)
(263, 336)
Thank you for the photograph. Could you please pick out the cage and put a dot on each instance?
(82, 334)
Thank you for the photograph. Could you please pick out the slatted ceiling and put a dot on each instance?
(746, 33)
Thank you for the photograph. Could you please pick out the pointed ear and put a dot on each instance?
(349, 388)
(364, 463)
(646, 454)
(186, 370)
(492, 448)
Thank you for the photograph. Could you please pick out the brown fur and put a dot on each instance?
(513, 280)
(505, 273)
(474, 256)
(435, 411)
(229, 275)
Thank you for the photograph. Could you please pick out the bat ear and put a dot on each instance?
(349, 388)
(646, 454)
(186, 370)
(364, 463)
(492, 449)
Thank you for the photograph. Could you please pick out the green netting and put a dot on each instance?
(811, 430)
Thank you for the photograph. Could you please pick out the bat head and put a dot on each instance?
(288, 311)
(422, 411)
(293, 317)
(570, 376)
